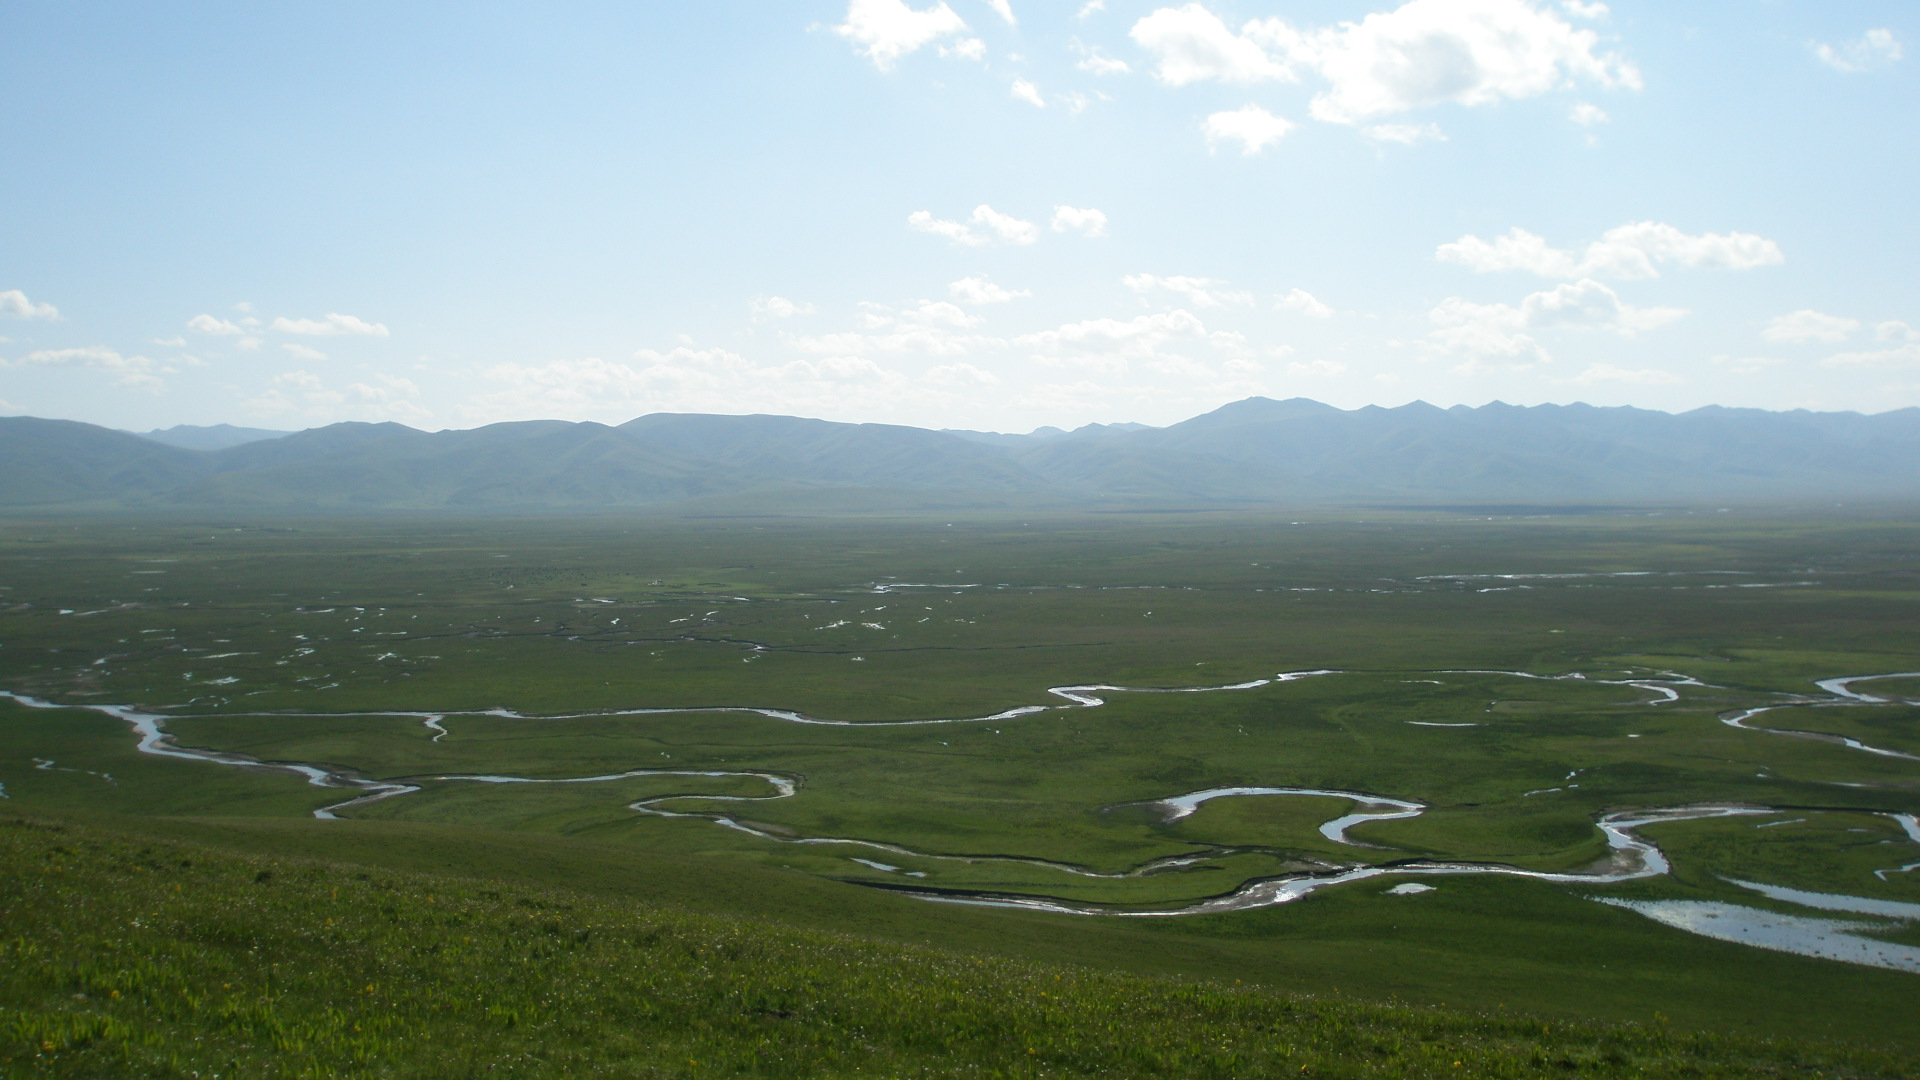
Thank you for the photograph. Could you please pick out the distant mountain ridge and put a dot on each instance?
(216, 437)
(1255, 451)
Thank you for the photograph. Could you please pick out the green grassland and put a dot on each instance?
(139, 958)
(304, 641)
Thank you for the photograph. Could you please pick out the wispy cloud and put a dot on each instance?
(207, 324)
(979, 290)
(779, 307)
(334, 325)
(1628, 252)
(1872, 51)
(984, 226)
(1198, 291)
(1302, 302)
(15, 303)
(1808, 325)
(140, 372)
(1491, 336)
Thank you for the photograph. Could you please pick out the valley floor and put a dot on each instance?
(1640, 774)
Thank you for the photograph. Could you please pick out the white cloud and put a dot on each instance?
(1323, 369)
(1903, 357)
(1009, 229)
(1485, 331)
(1587, 114)
(14, 302)
(1628, 252)
(1875, 49)
(1746, 365)
(961, 374)
(1090, 8)
(1087, 222)
(984, 226)
(979, 290)
(334, 325)
(1585, 11)
(391, 395)
(885, 30)
(844, 368)
(1405, 134)
(779, 307)
(1180, 367)
(1022, 90)
(965, 49)
(1253, 127)
(924, 221)
(1004, 9)
(1631, 251)
(1425, 52)
(174, 342)
(247, 343)
(692, 379)
(1609, 373)
(1199, 291)
(1095, 62)
(1589, 304)
(929, 327)
(135, 371)
(1191, 45)
(1517, 250)
(1077, 102)
(1895, 331)
(1304, 303)
(1110, 344)
(207, 324)
(1230, 342)
(301, 352)
(1808, 325)
(387, 397)
(937, 313)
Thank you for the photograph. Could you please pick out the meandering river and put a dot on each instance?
(1631, 856)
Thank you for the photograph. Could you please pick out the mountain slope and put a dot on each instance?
(1302, 449)
(50, 462)
(818, 451)
(543, 463)
(1256, 451)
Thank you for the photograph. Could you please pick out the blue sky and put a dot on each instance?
(979, 213)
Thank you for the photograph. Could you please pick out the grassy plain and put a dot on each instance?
(261, 639)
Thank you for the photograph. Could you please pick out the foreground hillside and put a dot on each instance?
(132, 957)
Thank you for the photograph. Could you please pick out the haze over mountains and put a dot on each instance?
(1256, 451)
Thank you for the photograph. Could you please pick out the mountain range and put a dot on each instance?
(1251, 452)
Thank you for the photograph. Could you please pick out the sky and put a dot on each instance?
(988, 214)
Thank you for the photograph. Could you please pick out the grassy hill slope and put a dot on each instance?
(139, 957)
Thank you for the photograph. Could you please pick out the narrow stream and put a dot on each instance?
(1843, 695)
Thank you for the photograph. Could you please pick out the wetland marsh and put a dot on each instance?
(1599, 741)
